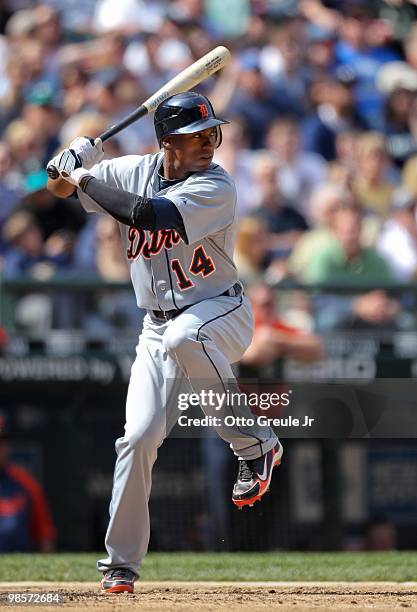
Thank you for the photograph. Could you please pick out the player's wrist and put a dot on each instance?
(84, 180)
(76, 176)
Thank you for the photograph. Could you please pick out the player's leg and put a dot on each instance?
(146, 427)
(205, 340)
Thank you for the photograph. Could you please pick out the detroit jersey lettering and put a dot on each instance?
(166, 272)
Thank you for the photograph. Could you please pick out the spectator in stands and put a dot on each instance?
(48, 32)
(27, 254)
(254, 100)
(27, 152)
(335, 114)
(400, 143)
(347, 148)
(273, 339)
(320, 52)
(53, 215)
(345, 262)
(361, 50)
(25, 519)
(344, 259)
(299, 171)
(398, 240)
(284, 222)
(14, 78)
(289, 79)
(326, 199)
(74, 90)
(251, 255)
(339, 174)
(43, 118)
(371, 187)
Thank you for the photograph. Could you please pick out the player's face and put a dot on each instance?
(193, 152)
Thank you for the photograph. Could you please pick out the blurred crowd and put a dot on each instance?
(322, 144)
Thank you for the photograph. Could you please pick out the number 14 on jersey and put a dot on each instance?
(201, 264)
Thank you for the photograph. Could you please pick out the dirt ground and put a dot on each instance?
(206, 596)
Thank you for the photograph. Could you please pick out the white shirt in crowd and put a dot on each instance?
(298, 179)
(399, 248)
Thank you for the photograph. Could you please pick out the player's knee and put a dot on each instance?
(177, 340)
(144, 438)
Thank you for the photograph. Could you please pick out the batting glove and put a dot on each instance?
(67, 161)
(74, 176)
(88, 150)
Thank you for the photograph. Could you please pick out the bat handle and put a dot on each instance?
(52, 172)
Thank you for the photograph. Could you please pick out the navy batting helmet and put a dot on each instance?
(186, 113)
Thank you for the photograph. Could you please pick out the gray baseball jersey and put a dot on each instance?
(166, 272)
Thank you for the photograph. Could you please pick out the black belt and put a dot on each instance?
(233, 291)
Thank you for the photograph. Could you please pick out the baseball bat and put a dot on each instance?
(184, 81)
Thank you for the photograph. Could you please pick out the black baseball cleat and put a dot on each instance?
(118, 580)
(254, 477)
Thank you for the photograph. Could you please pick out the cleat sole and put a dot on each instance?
(120, 588)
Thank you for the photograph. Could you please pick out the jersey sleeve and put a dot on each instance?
(114, 173)
(206, 204)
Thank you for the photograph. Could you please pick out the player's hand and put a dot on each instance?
(74, 176)
(88, 150)
(66, 161)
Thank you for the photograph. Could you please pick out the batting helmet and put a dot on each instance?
(186, 113)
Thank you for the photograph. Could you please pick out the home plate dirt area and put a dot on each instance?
(253, 596)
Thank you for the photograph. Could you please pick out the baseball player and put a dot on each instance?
(177, 216)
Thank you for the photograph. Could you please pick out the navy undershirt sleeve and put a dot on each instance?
(151, 214)
(167, 216)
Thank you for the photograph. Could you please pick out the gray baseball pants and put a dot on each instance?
(199, 345)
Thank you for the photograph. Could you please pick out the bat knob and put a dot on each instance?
(52, 172)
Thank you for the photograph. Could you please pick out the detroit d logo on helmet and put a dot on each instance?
(203, 110)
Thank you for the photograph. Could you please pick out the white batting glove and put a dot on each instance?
(66, 161)
(88, 150)
(74, 176)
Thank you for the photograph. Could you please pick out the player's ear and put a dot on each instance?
(167, 143)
